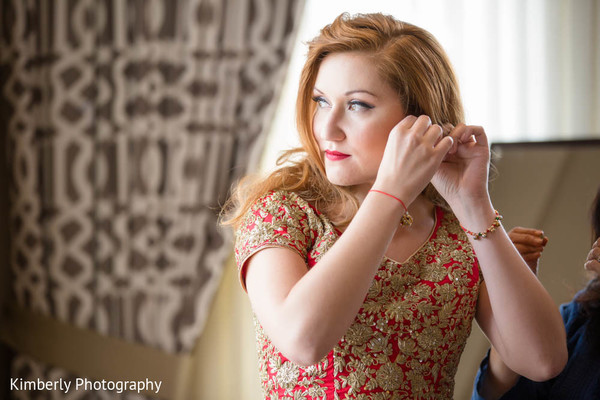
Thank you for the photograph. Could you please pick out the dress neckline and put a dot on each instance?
(437, 217)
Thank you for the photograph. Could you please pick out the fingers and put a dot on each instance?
(431, 133)
(594, 252)
(465, 134)
(529, 243)
(593, 266)
(447, 128)
(520, 229)
(592, 263)
(422, 126)
(527, 236)
(407, 122)
(444, 146)
(528, 240)
(413, 153)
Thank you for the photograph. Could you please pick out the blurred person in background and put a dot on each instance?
(581, 377)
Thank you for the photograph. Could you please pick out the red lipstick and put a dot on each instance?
(335, 155)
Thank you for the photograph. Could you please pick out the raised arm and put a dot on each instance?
(306, 312)
(514, 310)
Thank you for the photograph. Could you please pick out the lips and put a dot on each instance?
(335, 155)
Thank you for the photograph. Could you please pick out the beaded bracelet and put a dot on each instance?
(406, 219)
(492, 228)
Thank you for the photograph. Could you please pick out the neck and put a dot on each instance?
(421, 209)
(360, 192)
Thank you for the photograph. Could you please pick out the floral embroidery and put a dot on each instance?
(407, 338)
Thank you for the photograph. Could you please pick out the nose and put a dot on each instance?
(327, 124)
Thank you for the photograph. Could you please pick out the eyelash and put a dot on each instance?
(319, 100)
(360, 104)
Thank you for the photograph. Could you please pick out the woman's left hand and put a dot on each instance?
(530, 244)
(463, 175)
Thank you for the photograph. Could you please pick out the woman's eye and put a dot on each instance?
(359, 106)
(321, 102)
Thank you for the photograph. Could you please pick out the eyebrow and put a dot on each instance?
(348, 93)
(360, 91)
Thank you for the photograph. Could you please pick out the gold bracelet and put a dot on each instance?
(492, 228)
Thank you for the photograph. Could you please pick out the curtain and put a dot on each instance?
(125, 124)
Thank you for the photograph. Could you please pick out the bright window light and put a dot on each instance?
(504, 54)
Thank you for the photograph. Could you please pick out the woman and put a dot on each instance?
(361, 279)
(581, 377)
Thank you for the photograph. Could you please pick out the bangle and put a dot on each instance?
(492, 228)
(406, 219)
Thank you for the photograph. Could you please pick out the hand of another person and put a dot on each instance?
(414, 150)
(462, 176)
(592, 263)
(529, 243)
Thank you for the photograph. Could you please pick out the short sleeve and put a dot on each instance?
(278, 219)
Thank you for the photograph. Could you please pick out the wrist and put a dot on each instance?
(483, 234)
(475, 216)
(394, 190)
(406, 218)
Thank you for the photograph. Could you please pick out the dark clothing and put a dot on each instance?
(579, 380)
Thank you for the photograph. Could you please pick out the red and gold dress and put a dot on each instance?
(407, 338)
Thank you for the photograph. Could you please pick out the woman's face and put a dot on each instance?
(356, 110)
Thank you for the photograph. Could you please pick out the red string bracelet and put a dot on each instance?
(406, 219)
(492, 228)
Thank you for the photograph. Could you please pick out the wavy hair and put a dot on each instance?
(407, 57)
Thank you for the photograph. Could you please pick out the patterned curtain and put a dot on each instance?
(125, 123)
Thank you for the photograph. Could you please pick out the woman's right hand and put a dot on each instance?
(414, 151)
(592, 263)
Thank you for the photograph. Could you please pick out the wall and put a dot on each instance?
(549, 186)
(225, 361)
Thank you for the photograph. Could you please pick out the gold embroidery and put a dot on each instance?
(358, 334)
(287, 374)
(408, 336)
(390, 376)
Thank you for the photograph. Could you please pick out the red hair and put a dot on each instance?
(407, 57)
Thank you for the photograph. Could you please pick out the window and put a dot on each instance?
(527, 70)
